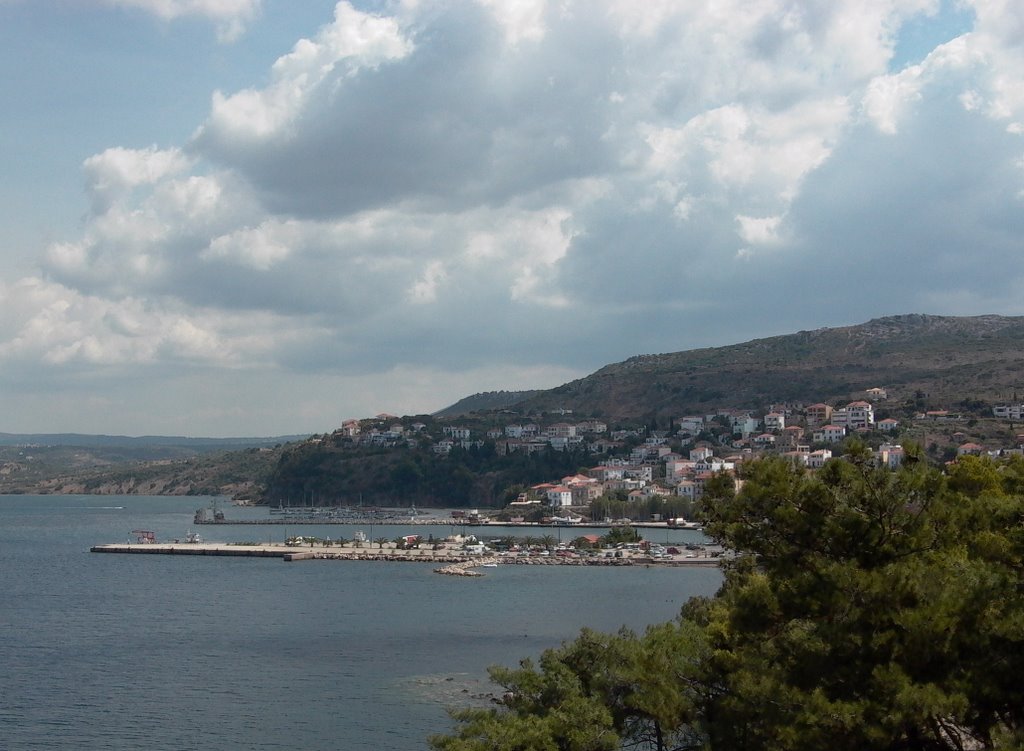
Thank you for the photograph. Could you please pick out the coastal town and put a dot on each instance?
(637, 469)
(643, 479)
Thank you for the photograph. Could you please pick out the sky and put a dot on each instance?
(263, 217)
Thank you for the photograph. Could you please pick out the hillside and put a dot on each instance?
(103, 465)
(940, 360)
(924, 362)
(156, 444)
(487, 401)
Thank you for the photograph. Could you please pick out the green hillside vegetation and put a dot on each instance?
(925, 361)
(865, 610)
(340, 473)
(135, 470)
(488, 401)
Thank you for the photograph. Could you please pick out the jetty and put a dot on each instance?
(286, 552)
(354, 521)
(453, 561)
(192, 548)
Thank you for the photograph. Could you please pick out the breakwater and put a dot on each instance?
(455, 562)
(358, 521)
(426, 522)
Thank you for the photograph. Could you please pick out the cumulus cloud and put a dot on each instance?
(232, 16)
(354, 42)
(53, 324)
(110, 174)
(445, 186)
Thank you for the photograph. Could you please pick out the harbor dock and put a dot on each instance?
(162, 548)
(446, 556)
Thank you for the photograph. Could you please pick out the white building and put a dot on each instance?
(689, 489)
(701, 452)
(561, 430)
(691, 424)
(888, 425)
(854, 415)
(560, 496)
(712, 464)
(817, 459)
(829, 434)
(890, 455)
(1009, 412)
(609, 472)
(744, 425)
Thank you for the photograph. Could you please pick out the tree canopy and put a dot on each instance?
(863, 609)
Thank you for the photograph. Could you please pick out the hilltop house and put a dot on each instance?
(349, 428)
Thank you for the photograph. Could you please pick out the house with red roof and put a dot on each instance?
(888, 425)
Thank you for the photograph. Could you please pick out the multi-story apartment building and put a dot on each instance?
(818, 414)
(855, 415)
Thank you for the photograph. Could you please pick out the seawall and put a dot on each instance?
(458, 559)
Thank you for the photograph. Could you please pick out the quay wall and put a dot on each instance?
(455, 562)
(361, 521)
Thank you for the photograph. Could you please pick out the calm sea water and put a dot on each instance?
(181, 652)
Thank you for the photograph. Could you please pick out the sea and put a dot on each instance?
(101, 651)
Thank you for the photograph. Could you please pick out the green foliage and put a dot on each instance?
(547, 541)
(864, 609)
(343, 473)
(929, 362)
(617, 535)
(594, 694)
